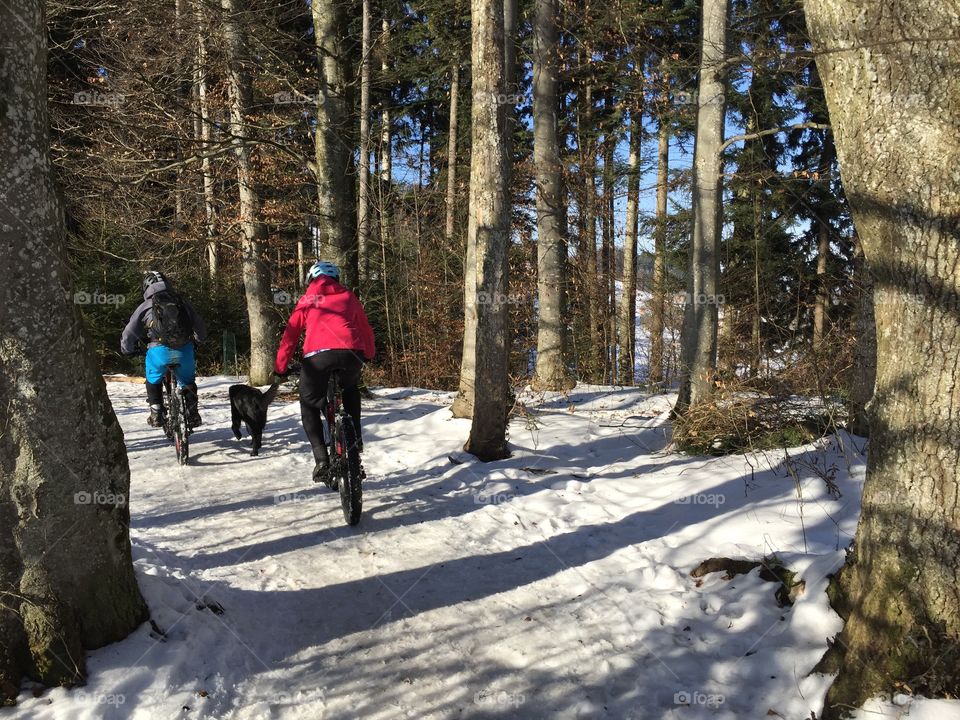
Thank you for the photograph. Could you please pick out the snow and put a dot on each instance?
(554, 584)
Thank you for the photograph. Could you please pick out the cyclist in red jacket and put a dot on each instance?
(338, 337)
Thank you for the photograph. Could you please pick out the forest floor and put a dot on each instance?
(554, 584)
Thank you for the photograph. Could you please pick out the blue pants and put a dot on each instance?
(159, 356)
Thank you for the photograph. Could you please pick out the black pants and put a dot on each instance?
(314, 377)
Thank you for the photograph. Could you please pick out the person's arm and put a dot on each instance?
(290, 339)
(133, 333)
(199, 328)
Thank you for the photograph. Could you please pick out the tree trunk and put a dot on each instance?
(658, 301)
(699, 338)
(628, 304)
(363, 169)
(452, 151)
(551, 372)
(256, 273)
(489, 231)
(203, 135)
(463, 404)
(607, 254)
(820, 302)
(66, 574)
(892, 82)
(864, 374)
(337, 242)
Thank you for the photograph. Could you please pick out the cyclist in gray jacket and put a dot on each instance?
(171, 327)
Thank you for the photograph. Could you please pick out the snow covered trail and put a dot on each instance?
(554, 584)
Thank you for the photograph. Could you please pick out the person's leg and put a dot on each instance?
(155, 365)
(187, 377)
(314, 377)
(350, 367)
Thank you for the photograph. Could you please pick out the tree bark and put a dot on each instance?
(256, 272)
(204, 136)
(699, 337)
(332, 149)
(864, 374)
(452, 152)
(489, 231)
(628, 304)
(551, 371)
(820, 301)
(66, 574)
(891, 75)
(363, 170)
(658, 300)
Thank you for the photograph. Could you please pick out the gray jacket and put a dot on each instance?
(136, 329)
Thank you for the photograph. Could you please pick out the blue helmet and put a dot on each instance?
(322, 267)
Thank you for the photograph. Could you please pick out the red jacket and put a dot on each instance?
(333, 319)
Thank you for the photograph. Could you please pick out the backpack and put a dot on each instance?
(170, 322)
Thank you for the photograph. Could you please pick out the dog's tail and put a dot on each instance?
(270, 394)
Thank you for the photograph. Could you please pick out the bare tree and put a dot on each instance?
(551, 371)
(451, 209)
(489, 230)
(66, 573)
(363, 169)
(891, 76)
(699, 338)
(332, 149)
(628, 304)
(256, 272)
(658, 300)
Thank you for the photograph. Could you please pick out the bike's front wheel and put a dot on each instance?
(348, 470)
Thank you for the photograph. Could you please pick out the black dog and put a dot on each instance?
(250, 405)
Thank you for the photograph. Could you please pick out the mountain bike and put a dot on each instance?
(175, 424)
(346, 470)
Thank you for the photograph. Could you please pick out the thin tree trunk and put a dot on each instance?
(203, 134)
(891, 77)
(363, 201)
(658, 300)
(66, 574)
(609, 258)
(550, 372)
(256, 273)
(386, 137)
(628, 304)
(334, 211)
(820, 303)
(452, 151)
(699, 340)
(489, 231)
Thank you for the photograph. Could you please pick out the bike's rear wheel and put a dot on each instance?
(178, 426)
(348, 470)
